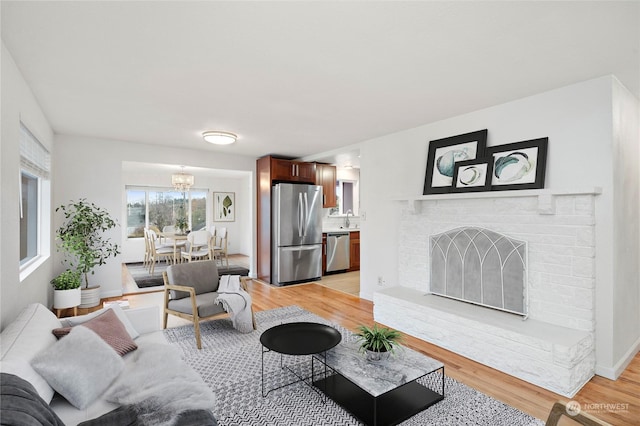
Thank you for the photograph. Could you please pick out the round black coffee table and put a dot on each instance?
(298, 338)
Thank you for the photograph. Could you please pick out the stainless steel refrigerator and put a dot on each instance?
(296, 227)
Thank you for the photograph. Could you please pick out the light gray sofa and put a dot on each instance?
(31, 332)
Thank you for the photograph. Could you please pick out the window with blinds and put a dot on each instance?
(35, 167)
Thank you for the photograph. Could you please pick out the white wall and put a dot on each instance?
(626, 175)
(93, 169)
(239, 231)
(18, 104)
(578, 120)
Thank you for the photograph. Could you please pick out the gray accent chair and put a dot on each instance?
(190, 291)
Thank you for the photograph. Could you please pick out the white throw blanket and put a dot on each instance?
(236, 302)
(159, 385)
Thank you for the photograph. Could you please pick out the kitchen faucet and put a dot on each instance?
(346, 219)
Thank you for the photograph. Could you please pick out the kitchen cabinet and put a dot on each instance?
(292, 171)
(326, 177)
(354, 251)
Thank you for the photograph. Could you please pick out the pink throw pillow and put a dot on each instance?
(109, 328)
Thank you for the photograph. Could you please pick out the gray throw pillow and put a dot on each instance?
(79, 367)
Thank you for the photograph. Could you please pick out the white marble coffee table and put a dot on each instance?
(382, 392)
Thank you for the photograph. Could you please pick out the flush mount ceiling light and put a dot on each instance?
(182, 181)
(219, 138)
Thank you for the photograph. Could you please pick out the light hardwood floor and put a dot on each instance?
(617, 402)
(347, 282)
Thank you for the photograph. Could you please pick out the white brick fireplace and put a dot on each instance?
(554, 347)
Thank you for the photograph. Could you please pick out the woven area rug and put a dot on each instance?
(143, 279)
(229, 362)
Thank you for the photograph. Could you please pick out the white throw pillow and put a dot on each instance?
(73, 321)
(80, 366)
(29, 333)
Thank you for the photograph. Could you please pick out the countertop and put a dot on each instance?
(339, 229)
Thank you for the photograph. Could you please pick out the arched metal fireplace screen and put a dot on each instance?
(480, 266)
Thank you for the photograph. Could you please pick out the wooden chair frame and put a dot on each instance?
(190, 254)
(194, 317)
(559, 409)
(157, 254)
(219, 248)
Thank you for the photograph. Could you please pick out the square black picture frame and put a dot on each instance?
(444, 153)
(519, 165)
(473, 175)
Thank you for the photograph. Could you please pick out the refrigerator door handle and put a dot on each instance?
(306, 214)
(300, 215)
(300, 248)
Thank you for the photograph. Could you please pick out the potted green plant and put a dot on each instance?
(66, 289)
(182, 224)
(378, 342)
(82, 238)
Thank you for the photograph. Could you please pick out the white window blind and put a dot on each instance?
(34, 157)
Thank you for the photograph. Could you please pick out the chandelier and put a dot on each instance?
(182, 181)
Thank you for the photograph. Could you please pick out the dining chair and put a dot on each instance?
(168, 229)
(159, 252)
(198, 246)
(147, 249)
(220, 246)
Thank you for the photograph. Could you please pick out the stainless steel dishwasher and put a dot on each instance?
(337, 251)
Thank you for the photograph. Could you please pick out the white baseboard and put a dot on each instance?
(612, 373)
(112, 293)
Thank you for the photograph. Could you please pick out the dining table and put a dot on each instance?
(177, 239)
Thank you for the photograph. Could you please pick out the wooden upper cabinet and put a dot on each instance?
(292, 171)
(306, 172)
(326, 177)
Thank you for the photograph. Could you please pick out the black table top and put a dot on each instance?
(300, 338)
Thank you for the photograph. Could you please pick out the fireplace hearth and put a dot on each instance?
(464, 248)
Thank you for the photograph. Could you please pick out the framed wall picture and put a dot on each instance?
(444, 153)
(519, 165)
(224, 206)
(473, 175)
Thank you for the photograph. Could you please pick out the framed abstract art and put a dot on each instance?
(445, 153)
(519, 165)
(472, 175)
(224, 206)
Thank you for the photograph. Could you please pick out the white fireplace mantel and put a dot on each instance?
(546, 197)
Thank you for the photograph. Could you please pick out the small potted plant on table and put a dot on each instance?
(377, 342)
(182, 224)
(81, 237)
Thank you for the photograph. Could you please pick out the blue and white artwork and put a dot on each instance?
(472, 176)
(445, 159)
(515, 167)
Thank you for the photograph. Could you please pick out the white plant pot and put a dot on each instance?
(375, 356)
(90, 297)
(66, 298)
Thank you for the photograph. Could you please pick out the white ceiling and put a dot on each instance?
(302, 78)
